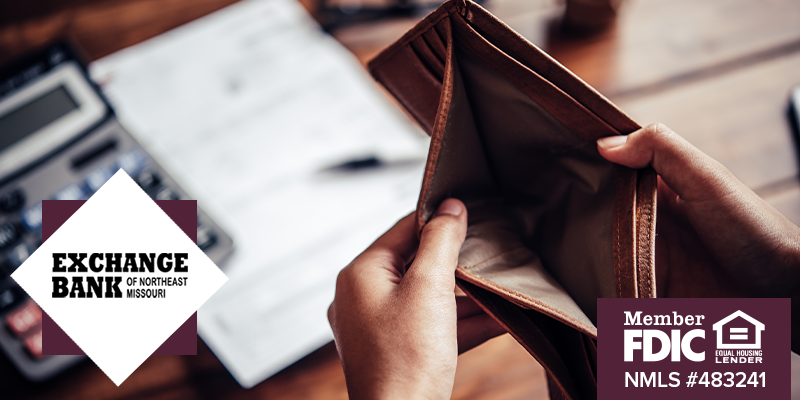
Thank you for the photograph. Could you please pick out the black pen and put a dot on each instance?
(371, 162)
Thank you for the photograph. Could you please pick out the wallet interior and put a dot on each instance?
(540, 197)
(552, 225)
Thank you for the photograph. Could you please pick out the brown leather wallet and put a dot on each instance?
(552, 225)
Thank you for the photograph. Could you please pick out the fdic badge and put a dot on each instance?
(693, 348)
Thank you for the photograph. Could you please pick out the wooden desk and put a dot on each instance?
(717, 71)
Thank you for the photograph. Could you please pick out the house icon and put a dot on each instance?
(738, 337)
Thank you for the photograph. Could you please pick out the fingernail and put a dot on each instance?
(612, 142)
(450, 207)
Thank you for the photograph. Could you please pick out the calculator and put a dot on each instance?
(60, 140)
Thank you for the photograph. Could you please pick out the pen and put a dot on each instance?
(370, 162)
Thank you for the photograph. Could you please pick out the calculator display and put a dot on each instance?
(34, 115)
(45, 112)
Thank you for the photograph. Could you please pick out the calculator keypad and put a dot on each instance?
(25, 319)
(33, 344)
(9, 234)
(12, 201)
(10, 297)
(25, 323)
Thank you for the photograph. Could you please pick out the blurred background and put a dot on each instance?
(719, 72)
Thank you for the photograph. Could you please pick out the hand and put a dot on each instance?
(715, 237)
(398, 335)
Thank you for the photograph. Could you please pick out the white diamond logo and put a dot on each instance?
(119, 333)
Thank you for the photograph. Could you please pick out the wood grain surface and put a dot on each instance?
(716, 71)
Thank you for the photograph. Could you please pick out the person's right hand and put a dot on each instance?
(715, 237)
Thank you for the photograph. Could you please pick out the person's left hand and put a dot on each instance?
(398, 335)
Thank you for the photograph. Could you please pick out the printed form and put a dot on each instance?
(246, 108)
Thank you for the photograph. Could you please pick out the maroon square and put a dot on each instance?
(183, 341)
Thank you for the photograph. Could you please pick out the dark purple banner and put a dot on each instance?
(693, 348)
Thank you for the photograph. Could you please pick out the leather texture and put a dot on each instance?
(552, 225)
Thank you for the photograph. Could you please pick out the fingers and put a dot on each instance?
(734, 223)
(439, 246)
(692, 174)
(475, 330)
(379, 268)
(394, 249)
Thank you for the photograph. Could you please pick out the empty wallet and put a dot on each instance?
(552, 225)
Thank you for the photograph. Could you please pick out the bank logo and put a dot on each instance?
(119, 277)
(729, 337)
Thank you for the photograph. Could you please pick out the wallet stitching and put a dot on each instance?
(438, 130)
(647, 239)
(651, 227)
(644, 244)
(618, 219)
(517, 297)
(625, 264)
(616, 245)
(642, 250)
(633, 226)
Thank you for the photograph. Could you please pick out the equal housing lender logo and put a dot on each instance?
(118, 280)
(693, 348)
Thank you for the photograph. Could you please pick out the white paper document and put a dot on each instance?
(246, 108)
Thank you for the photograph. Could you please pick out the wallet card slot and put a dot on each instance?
(436, 44)
(431, 22)
(428, 58)
(422, 99)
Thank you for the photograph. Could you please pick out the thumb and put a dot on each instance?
(692, 174)
(439, 246)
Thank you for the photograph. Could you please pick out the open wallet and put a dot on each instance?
(552, 225)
